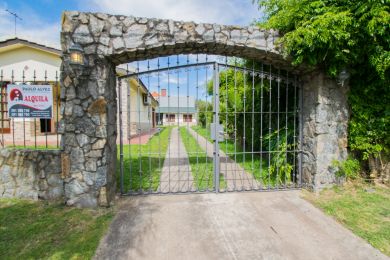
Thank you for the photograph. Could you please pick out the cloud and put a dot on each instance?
(36, 28)
(32, 27)
(240, 12)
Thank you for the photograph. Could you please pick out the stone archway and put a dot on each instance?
(88, 93)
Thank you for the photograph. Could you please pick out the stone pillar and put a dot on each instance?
(88, 109)
(325, 128)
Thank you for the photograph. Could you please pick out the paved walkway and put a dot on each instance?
(176, 173)
(143, 138)
(235, 176)
(252, 225)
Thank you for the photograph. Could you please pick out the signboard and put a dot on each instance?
(30, 101)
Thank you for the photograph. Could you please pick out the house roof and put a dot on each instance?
(15, 43)
(177, 104)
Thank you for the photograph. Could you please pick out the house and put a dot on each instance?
(138, 106)
(26, 62)
(175, 110)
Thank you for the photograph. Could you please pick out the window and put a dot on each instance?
(187, 118)
(171, 118)
(45, 125)
(4, 120)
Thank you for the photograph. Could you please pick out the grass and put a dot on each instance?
(37, 230)
(252, 163)
(201, 165)
(362, 208)
(143, 163)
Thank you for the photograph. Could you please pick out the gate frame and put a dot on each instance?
(216, 159)
(215, 122)
(88, 97)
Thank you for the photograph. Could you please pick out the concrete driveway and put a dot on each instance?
(268, 225)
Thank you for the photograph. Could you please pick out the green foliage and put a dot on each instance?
(352, 34)
(142, 164)
(238, 100)
(281, 166)
(349, 168)
(205, 110)
(201, 164)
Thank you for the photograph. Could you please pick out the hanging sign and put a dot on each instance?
(30, 101)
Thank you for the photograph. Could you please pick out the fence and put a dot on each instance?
(29, 133)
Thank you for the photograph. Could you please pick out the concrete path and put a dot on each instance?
(235, 176)
(264, 225)
(144, 137)
(176, 172)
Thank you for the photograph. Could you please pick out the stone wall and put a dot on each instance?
(31, 174)
(325, 115)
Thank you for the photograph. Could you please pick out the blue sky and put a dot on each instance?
(41, 23)
(41, 18)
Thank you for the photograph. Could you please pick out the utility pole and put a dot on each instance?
(15, 17)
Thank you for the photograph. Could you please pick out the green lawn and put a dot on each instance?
(36, 230)
(362, 208)
(201, 165)
(142, 164)
(253, 164)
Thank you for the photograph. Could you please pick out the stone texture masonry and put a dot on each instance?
(88, 96)
(31, 175)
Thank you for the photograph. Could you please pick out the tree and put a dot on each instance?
(205, 115)
(338, 34)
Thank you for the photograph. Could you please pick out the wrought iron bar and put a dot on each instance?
(120, 134)
(216, 123)
(300, 134)
(295, 134)
(13, 120)
(150, 114)
(2, 107)
(24, 120)
(269, 127)
(286, 133)
(139, 132)
(178, 125)
(261, 122)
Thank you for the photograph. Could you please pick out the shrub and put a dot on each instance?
(349, 168)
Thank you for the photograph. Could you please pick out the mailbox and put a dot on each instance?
(220, 132)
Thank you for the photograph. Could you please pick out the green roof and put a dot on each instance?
(181, 110)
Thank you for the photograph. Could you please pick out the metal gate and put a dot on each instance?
(187, 125)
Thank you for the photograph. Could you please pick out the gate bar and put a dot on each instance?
(216, 124)
(300, 133)
(120, 132)
(259, 72)
(167, 68)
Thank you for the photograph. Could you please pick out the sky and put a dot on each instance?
(41, 18)
(41, 23)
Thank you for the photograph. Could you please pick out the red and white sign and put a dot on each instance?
(30, 101)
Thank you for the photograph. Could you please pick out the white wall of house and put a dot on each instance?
(18, 60)
(179, 119)
(135, 114)
(27, 59)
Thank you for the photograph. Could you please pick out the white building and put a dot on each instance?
(176, 110)
(23, 61)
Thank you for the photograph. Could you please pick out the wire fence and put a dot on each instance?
(23, 132)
